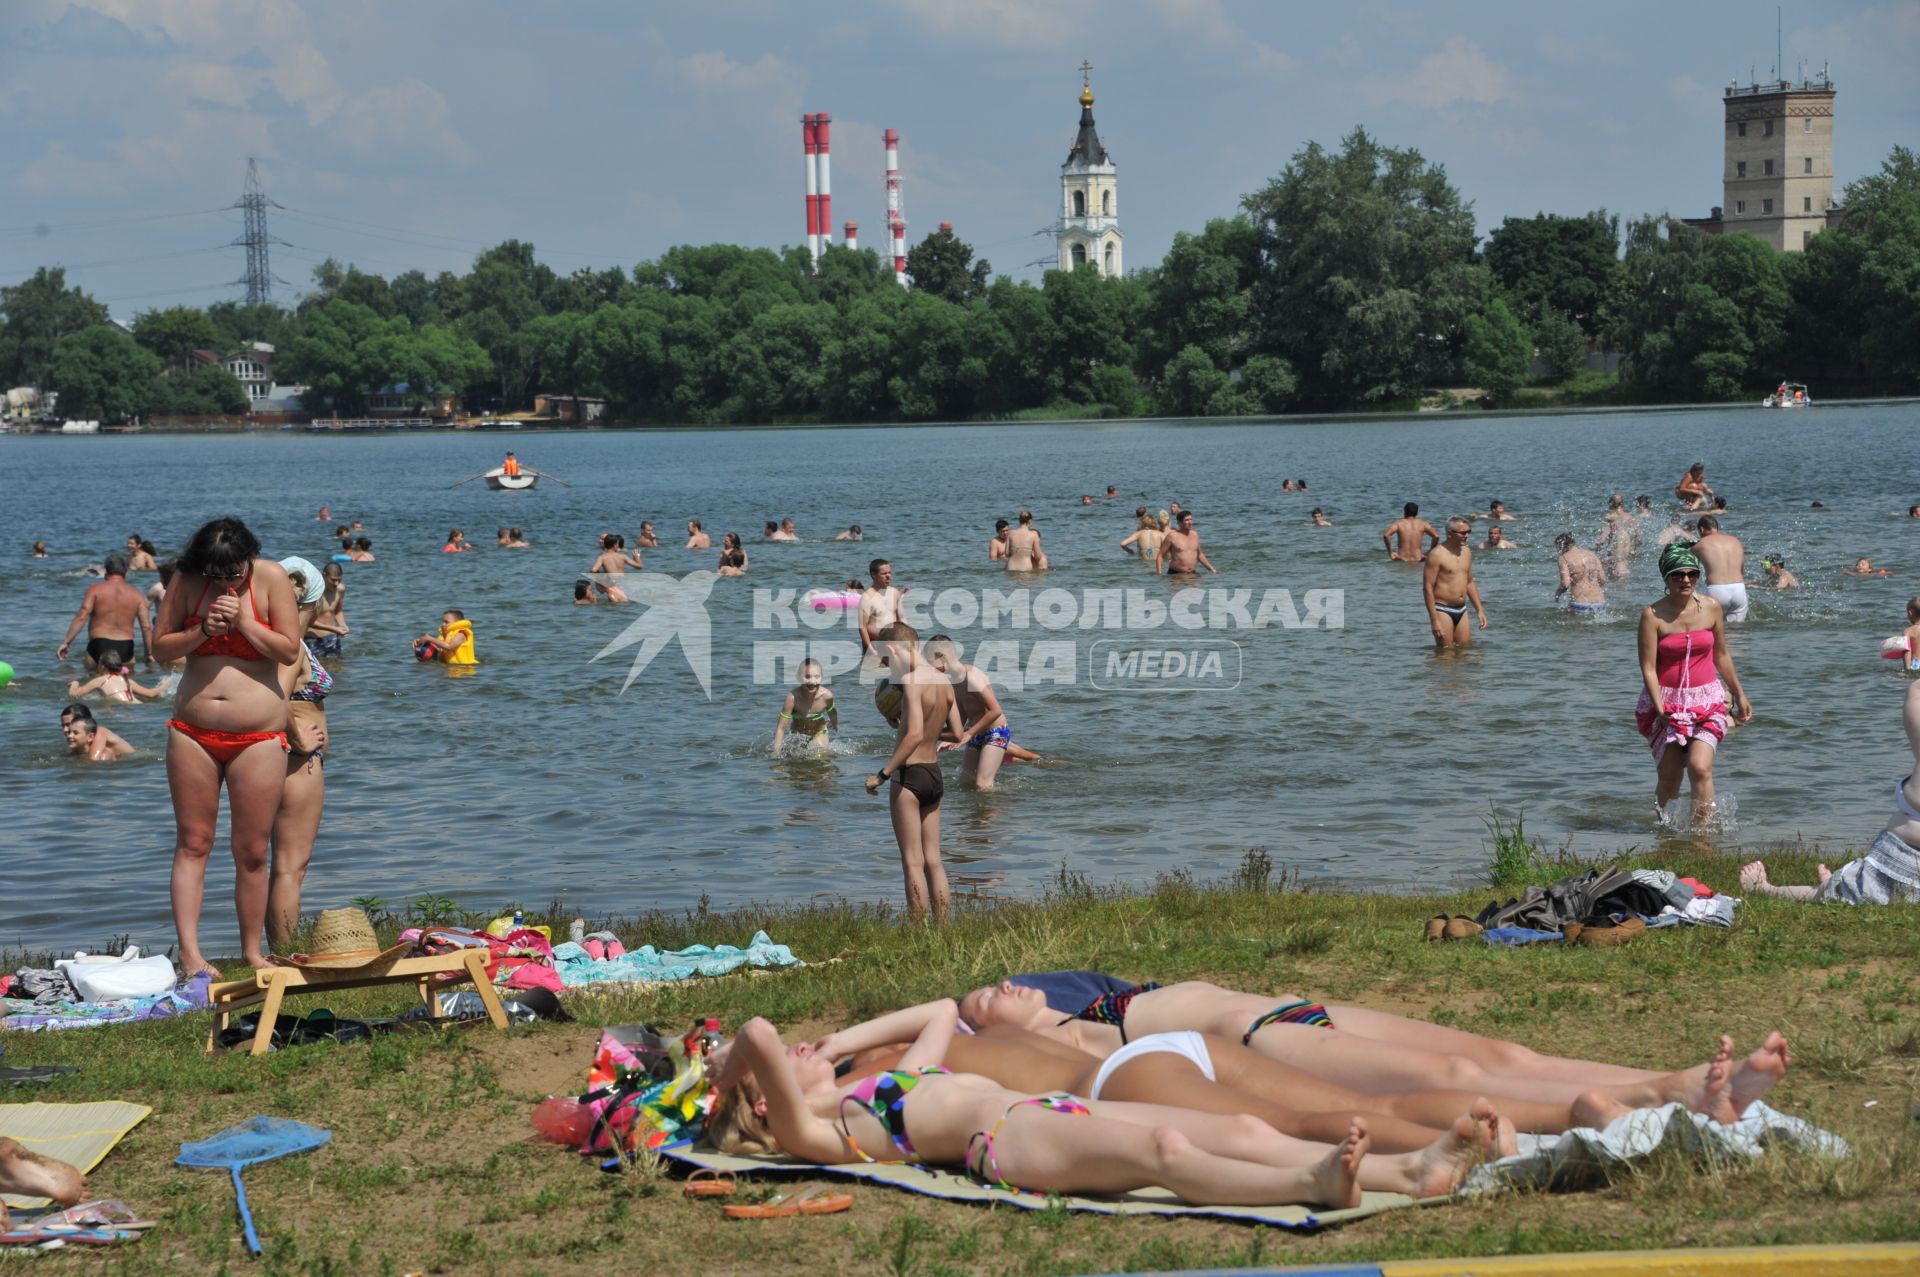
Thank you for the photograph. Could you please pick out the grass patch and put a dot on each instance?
(431, 1168)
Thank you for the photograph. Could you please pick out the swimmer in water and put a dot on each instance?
(852, 533)
(1497, 540)
(998, 546)
(880, 605)
(117, 687)
(1180, 552)
(809, 709)
(88, 739)
(732, 563)
(1643, 506)
(362, 551)
(646, 540)
(1299, 485)
(583, 595)
(983, 730)
(1411, 532)
(731, 547)
(611, 562)
(1581, 577)
(1112, 492)
(39, 549)
(517, 540)
(1286, 485)
(1496, 513)
(1320, 520)
(1619, 538)
(1086, 498)
(1676, 530)
(140, 555)
(1778, 577)
(1023, 547)
(1448, 588)
(1692, 490)
(1863, 566)
(697, 539)
(456, 543)
(1146, 536)
(325, 516)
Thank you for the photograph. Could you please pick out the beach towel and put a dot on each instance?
(954, 1186)
(29, 1016)
(77, 1134)
(1584, 1157)
(577, 968)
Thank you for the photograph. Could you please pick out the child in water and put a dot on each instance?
(810, 708)
(116, 688)
(453, 645)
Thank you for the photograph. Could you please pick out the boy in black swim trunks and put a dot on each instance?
(914, 769)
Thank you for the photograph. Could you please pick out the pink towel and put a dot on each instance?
(533, 975)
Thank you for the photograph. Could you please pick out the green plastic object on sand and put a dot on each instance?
(258, 1139)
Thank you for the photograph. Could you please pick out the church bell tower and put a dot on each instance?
(1089, 196)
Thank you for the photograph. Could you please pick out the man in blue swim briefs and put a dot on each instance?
(984, 727)
(1581, 577)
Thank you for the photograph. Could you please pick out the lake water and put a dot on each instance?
(1350, 753)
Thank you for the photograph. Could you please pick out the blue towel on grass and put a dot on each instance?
(648, 963)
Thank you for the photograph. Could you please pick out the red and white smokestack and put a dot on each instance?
(822, 161)
(853, 235)
(813, 190)
(896, 222)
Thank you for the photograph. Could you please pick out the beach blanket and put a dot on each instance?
(78, 1134)
(1583, 1156)
(934, 1182)
(29, 1016)
(577, 968)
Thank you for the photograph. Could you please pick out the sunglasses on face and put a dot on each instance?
(235, 575)
(1684, 576)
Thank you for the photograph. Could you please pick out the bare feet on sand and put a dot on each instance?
(1337, 1177)
(1756, 1075)
(26, 1173)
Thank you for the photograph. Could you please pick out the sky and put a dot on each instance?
(411, 135)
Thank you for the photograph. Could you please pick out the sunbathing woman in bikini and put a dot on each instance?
(1215, 1076)
(786, 1099)
(1304, 1035)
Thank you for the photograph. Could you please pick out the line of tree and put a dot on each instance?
(1353, 279)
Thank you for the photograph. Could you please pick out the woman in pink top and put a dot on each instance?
(1688, 673)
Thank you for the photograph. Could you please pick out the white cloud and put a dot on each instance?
(1459, 72)
(224, 30)
(1205, 18)
(715, 70)
(1268, 60)
(212, 82)
(405, 123)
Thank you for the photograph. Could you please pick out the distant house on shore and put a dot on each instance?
(252, 367)
(398, 400)
(578, 408)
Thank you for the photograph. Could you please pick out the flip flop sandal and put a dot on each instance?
(812, 1200)
(706, 1183)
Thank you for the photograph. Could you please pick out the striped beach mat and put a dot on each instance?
(78, 1134)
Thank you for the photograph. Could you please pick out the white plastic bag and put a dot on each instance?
(108, 978)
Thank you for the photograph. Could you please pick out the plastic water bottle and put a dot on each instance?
(562, 1119)
(519, 919)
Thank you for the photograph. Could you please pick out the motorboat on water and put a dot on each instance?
(1791, 394)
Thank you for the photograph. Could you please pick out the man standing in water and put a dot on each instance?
(1023, 547)
(697, 539)
(1726, 562)
(1411, 532)
(914, 768)
(998, 548)
(880, 605)
(1692, 490)
(110, 609)
(1581, 575)
(1180, 553)
(1448, 587)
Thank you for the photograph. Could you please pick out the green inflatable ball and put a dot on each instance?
(6, 673)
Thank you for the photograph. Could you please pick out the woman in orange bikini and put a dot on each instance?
(233, 617)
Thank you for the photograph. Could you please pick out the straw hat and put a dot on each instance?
(344, 938)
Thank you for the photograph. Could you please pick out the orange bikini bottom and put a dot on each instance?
(224, 747)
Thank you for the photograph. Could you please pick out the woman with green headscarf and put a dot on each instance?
(1688, 672)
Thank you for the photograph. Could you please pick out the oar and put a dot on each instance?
(468, 479)
(556, 478)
